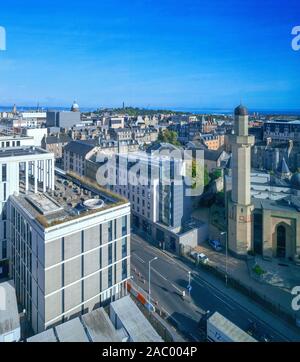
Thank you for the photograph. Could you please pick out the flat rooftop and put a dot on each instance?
(9, 316)
(100, 327)
(133, 321)
(72, 198)
(21, 151)
(71, 331)
(46, 336)
(92, 327)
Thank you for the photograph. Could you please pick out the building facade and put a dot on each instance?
(21, 170)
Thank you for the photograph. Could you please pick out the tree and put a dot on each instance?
(216, 174)
(197, 174)
(168, 136)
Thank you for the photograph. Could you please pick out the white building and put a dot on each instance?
(37, 134)
(68, 257)
(15, 140)
(22, 169)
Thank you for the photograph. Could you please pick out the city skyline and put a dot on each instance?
(196, 54)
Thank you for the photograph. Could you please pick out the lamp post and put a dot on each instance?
(189, 284)
(150, 261)
(226, 256)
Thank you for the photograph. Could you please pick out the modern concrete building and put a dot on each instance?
(10, 139)
(62, 119)
(69, 249)
(37, 133)
(22, 169)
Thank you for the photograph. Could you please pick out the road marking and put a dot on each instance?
(223, 301)
(174, 286)
(140, 259)
(158, 273)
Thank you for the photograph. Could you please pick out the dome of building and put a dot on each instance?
(75, 107)
(241, 111)
(295, 181)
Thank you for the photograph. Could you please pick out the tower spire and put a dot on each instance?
(239, 205)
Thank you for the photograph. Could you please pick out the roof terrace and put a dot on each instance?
(74, 197)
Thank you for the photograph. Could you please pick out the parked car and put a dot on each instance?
(203, 258)
(200, 257)
(215, 244)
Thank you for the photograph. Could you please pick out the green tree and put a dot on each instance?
(168, 136)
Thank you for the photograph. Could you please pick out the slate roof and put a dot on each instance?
(81, 148)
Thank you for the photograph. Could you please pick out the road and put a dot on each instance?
(169, 277)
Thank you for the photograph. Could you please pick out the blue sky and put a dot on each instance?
(151, 53)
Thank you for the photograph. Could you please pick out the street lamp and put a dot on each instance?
(150, 261)
(226, 253)
(189, 284)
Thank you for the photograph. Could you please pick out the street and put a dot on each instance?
(170, 277)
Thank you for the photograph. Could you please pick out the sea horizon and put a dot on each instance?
(190, 110)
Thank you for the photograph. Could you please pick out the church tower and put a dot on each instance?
(239, 203)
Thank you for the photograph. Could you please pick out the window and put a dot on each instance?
(109, 253)
(124, 225)
(4, 249)
(4, 173)
(124, 269)
(124, 248)
(4, 215)
(4, 192)
(18, 143)
(110, 231)
(109, 277)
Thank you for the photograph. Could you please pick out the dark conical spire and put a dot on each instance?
(283, 167)
(241, 111)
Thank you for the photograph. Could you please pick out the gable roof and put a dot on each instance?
(79, 147)
(212, 155)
